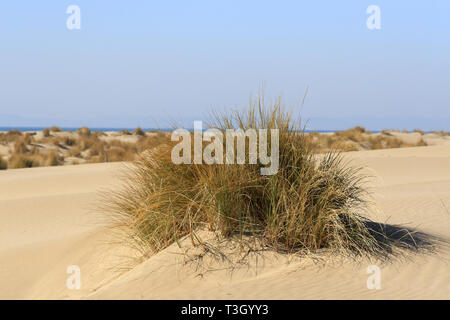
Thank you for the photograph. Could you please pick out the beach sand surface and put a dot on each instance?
(49, 221)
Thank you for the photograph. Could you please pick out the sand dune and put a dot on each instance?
(47, 222)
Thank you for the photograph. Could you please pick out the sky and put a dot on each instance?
(151, 63)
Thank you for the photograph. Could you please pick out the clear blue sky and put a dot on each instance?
(141, 62)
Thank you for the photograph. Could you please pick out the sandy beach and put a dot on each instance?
(48, 222)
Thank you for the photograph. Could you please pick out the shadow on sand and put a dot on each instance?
(392, 237)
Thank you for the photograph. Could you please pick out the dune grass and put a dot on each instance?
(10, 136)
(84, 146)
(55, 147)
(139, 131)
(441, 133)
(55, 129)
(19, 161)
(312, 203)
(3, 164)
(34, 158)
(358, 138)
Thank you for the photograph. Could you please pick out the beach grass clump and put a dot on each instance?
(10, 136)
(20, 146)
(139, 132)
(55, 129)
(358, 138)
(313, 202)
(19, 161)
(51, 159)
(355, 134)
(441, 133)
(69, 141)
(75, 151)
(84, 131)
(35, 158)
(46, 132)
(3, 164)
(125, 132)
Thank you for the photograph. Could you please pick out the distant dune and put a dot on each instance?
(54, 147)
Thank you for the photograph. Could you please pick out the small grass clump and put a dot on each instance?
(441, 133)
(19, 161)
(3, 164)
(311, 203)
(51, 159)
(55, 129)
(68, 141)
(10, 136)
(84, 131)
(34, 158)
(356, 134)
(359, 138)
(139, 132)
(20, 146)
(125, 132)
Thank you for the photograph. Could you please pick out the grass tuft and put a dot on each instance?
(312, 203)
(3, 164)
(84, 131)
(139, 132)
(18, 161)
(55, 129)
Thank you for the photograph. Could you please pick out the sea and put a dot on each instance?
(75, 129)
(129, 129)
